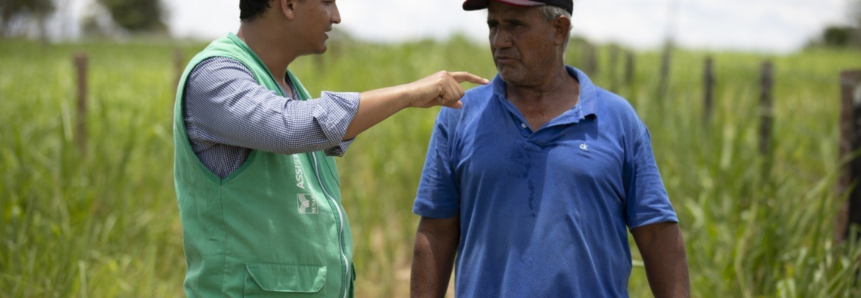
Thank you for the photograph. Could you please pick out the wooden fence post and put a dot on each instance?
(765, 107)
(81, 65)
(590, 65)
(850, 142)
(708, 98)
(593, 60)
(614, 58)
(666, 58)
(629, 69)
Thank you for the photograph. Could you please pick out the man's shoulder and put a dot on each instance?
(619, 113)
(219, 63)
(217, 69)
(614, 103)
(480, 93)
(475, 101)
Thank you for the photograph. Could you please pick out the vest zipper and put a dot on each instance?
(340, 228)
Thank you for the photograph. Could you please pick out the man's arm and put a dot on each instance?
(663, 253)
(440, 89)
(224, 104)
(433, 256)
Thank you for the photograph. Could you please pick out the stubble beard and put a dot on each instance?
(515, 75)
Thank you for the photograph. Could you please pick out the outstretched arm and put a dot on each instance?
(224, 104)
(433, 256)
(663, 253)
(440, 89)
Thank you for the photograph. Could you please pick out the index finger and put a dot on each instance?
(454, 105)
(463, 76)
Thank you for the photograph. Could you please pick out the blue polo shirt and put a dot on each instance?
(543, 213)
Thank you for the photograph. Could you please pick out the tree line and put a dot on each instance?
(19, 17)
(108, 17)
(842, 36)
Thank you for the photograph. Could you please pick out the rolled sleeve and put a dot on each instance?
(228, 106)
(340, 149)
(334, 115)
(647, 199)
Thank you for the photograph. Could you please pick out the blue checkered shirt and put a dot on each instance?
(227, 114)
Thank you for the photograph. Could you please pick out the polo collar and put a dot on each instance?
(587, 105)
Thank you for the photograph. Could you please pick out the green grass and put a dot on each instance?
(106, 224)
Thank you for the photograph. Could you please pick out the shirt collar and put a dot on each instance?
(588, 93)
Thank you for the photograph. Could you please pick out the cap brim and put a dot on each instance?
(482, 4)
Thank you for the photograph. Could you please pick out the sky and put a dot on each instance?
(748, 25)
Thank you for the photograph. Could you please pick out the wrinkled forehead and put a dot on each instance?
(500, 11)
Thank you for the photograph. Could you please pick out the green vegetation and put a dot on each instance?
(136, 16)
(107, 225)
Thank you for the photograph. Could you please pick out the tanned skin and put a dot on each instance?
(289, 29)
(527, 50)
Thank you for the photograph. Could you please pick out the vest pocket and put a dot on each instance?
(282, 280)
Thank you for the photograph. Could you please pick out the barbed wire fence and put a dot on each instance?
(765, 76)
(848, 81)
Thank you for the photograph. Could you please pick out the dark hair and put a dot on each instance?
(251, 9)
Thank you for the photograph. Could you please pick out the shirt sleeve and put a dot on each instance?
(647, 201)
(231, 108)
(438, 195)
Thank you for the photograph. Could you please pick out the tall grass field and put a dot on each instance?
(105, 223)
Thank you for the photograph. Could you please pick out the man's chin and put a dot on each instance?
(321, 50)
(315, 51)
(509, 75)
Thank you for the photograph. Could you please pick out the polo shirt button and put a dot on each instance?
(523, 125)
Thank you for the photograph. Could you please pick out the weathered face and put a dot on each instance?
(317, 18)
(523, 43)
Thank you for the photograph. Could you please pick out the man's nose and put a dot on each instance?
(500, 39)
(336, 14)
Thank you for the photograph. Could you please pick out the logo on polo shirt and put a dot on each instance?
(307, 204)
(584, 147)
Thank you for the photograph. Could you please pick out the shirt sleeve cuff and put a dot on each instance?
(334, 113)
(340, 149)
(426, 210)
(645, 220)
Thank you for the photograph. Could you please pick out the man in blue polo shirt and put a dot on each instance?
(535, 182)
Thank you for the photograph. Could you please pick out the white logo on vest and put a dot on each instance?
(300, 176)
(307, 204)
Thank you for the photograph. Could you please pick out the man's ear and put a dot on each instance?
(561, 29)
(288, 8)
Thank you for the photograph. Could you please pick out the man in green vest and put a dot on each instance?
(257, 188)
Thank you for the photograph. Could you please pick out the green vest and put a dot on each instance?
(273, 228)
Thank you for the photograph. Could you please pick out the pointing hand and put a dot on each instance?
(442, 89)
